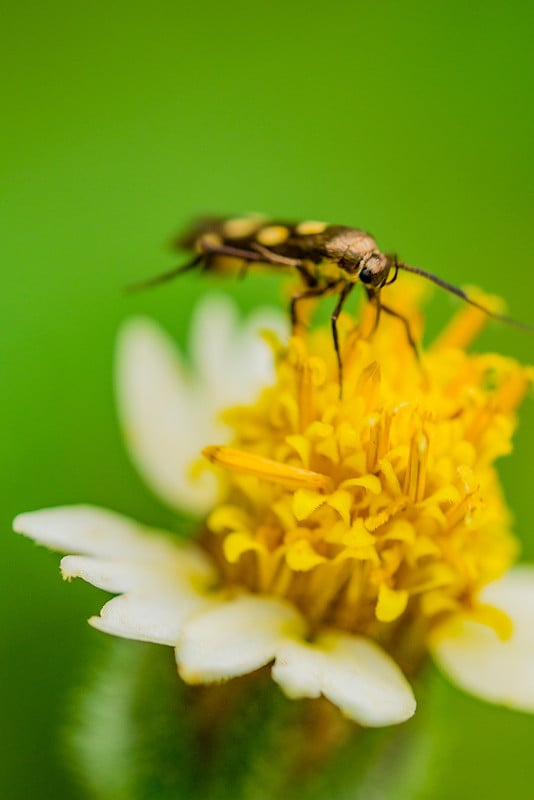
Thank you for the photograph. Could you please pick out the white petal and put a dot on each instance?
(230, 355)
(235, 638)
(170, 415)
(165, 418)
(152, 616)
(188, 567)
(299, 668)
(94, 531)
(478, 661)
(352, 672)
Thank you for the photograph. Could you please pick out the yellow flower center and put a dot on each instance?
(379, 512)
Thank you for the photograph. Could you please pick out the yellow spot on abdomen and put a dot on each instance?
(311, 227)
(272, 235)
(242, 227)
(208, 240)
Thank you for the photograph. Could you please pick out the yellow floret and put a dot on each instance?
(379, 512)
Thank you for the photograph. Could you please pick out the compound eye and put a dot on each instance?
(366, 276)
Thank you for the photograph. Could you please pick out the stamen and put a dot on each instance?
(466, 323)
(461, 330)
(325, 586)
(305, 393)
(378, 446)
(415, 482)
(285, 475)
(513, 390)
(401, 526)
(368, 385)
(458, 513)
(385, 429)
(372, 447)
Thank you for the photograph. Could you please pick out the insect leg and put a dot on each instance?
(395, 275)
(274, 258)
(411, 340)
(309, 294)
(346, 290)
(235, 252)
(373, 295)
(165, 276)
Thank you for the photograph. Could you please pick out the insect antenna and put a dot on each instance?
(164, 276)
(449, 287)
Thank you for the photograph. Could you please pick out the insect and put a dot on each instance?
(330, 259)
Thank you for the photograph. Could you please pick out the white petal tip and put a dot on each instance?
(476, 660)
(350, 671)
(47, 525)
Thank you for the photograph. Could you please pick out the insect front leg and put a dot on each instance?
(409, 335)
(347, 289)
(374, 297)
(395, 274)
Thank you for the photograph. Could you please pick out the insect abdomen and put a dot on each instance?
(306, 240)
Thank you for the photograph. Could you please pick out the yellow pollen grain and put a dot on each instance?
(311, 227)
(272, 235)
(267, 469)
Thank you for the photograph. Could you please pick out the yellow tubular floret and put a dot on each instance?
(379, 513)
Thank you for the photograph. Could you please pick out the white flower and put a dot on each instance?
(172, 594)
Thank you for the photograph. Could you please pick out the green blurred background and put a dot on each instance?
(123, 120)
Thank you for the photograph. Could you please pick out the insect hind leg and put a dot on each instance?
(165, 276)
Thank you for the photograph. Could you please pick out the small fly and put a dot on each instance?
(330, 259)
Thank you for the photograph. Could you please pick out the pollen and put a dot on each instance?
(380, 512)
